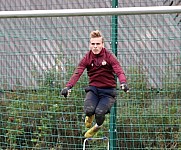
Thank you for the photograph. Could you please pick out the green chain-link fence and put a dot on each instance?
(38, 55)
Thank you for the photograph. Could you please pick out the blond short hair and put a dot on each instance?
(96, 34)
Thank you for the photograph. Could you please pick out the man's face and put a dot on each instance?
(96, 45)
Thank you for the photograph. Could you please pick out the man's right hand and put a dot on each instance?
(65, 91)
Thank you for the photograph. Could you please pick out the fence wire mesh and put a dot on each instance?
(38, 55)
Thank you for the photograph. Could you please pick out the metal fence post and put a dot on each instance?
(114, 49)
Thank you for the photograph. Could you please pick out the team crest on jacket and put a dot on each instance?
(104, 63)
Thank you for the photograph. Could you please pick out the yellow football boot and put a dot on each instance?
(92, 131)
(88, 121)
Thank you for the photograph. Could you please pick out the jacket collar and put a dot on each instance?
(98, 55)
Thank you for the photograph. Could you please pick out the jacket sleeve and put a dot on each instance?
(117, 69)
(77, 73)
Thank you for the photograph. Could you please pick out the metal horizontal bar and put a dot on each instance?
(91, 12)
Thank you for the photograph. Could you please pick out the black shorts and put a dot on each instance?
(99, 100)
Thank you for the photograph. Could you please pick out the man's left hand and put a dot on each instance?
(124, 87)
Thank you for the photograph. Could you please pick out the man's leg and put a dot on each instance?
(105, 103)
(107, 99)
(90, 104)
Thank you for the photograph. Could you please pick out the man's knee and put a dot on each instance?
(101, 110)
(89, 110)
(100, 113)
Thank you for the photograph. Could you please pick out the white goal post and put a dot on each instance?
(91, 12)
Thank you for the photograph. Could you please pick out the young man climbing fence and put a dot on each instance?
(102, 66)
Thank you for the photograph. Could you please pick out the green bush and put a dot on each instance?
(148, 118)
(37, 119)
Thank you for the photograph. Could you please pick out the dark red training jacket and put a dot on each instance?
(101, 69)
